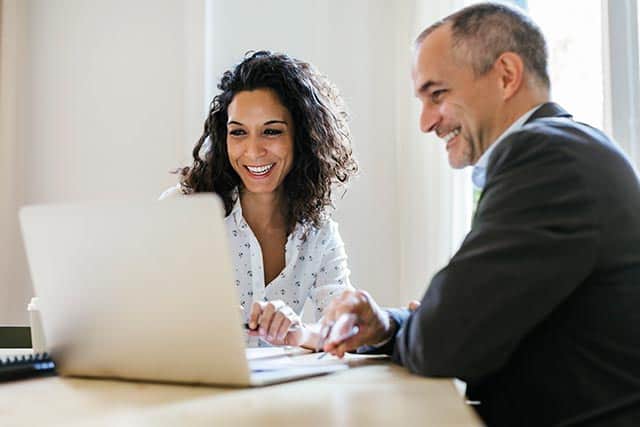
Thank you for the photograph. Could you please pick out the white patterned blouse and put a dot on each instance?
(315, 268)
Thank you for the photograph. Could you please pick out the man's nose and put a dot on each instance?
(429, 118)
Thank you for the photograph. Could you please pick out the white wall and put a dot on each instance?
(114, 94)
(106, 98)
(391, 219)
(109, 94)
(353, 44)
(13, 275)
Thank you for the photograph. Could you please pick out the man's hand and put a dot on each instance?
(354, 309)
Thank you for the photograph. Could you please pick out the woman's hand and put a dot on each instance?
(276, 323)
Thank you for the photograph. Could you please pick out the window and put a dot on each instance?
(622, 76)
(573, 30)
(576, 58)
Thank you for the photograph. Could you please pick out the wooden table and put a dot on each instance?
(376, 394)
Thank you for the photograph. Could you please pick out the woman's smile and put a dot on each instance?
(260, 171)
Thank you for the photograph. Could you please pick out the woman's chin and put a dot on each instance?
(259, 188)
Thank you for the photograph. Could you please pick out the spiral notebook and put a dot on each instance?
(18, 366)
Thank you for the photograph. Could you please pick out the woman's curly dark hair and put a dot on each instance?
(322, 141)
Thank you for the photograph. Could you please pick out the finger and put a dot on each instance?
(348, 345)
(334, 349)
(353, 339)
(325, 330)
(329, 345)
(256, 310)
(264, 320)
(274, 327)
(338, 351)
(283, 330)
(343, 328)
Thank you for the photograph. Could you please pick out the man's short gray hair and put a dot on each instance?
(482, 32)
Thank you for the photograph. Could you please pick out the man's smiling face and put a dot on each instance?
(457, 105)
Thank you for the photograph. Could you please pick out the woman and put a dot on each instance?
(275, 144)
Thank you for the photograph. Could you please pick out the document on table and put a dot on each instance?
(274, 358)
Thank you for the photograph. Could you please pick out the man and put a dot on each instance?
(539, 310)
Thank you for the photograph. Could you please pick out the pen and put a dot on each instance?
(246, 324)
(324, 334)
(326, 330)
(291, 328)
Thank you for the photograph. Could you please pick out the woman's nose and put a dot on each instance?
(255, 147)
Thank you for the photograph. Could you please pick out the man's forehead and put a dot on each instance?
(432, 57)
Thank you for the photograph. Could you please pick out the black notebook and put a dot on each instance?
(24, 366)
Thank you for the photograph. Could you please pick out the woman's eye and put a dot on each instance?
(236, 132)
(272, 132)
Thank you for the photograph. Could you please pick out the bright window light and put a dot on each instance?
(575, 55)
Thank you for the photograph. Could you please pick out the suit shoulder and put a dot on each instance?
(555, 139)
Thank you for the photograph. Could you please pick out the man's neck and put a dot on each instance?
(513, 109)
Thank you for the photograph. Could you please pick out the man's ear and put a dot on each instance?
(510, 69)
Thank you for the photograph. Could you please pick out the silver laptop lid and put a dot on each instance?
(139, 290)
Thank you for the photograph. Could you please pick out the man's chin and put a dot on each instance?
(458, 163)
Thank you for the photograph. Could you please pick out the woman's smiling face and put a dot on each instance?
(260, 134)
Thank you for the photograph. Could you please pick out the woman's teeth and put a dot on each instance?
(260, 170)
(448, 137)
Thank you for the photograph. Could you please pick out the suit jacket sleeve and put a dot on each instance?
(535, 218)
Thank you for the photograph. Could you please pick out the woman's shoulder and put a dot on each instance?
(325, 231)
(328, 226)
(173, 192)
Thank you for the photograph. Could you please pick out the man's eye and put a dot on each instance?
(236, 132)
(436, 95)
(272, 132)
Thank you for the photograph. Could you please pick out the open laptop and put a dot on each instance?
(144, 290)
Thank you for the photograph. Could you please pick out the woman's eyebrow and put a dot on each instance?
(269, 122)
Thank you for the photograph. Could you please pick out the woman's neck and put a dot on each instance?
(264, 211)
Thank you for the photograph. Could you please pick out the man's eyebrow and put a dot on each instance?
(427, 85)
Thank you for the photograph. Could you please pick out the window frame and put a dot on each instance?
(621, 74)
